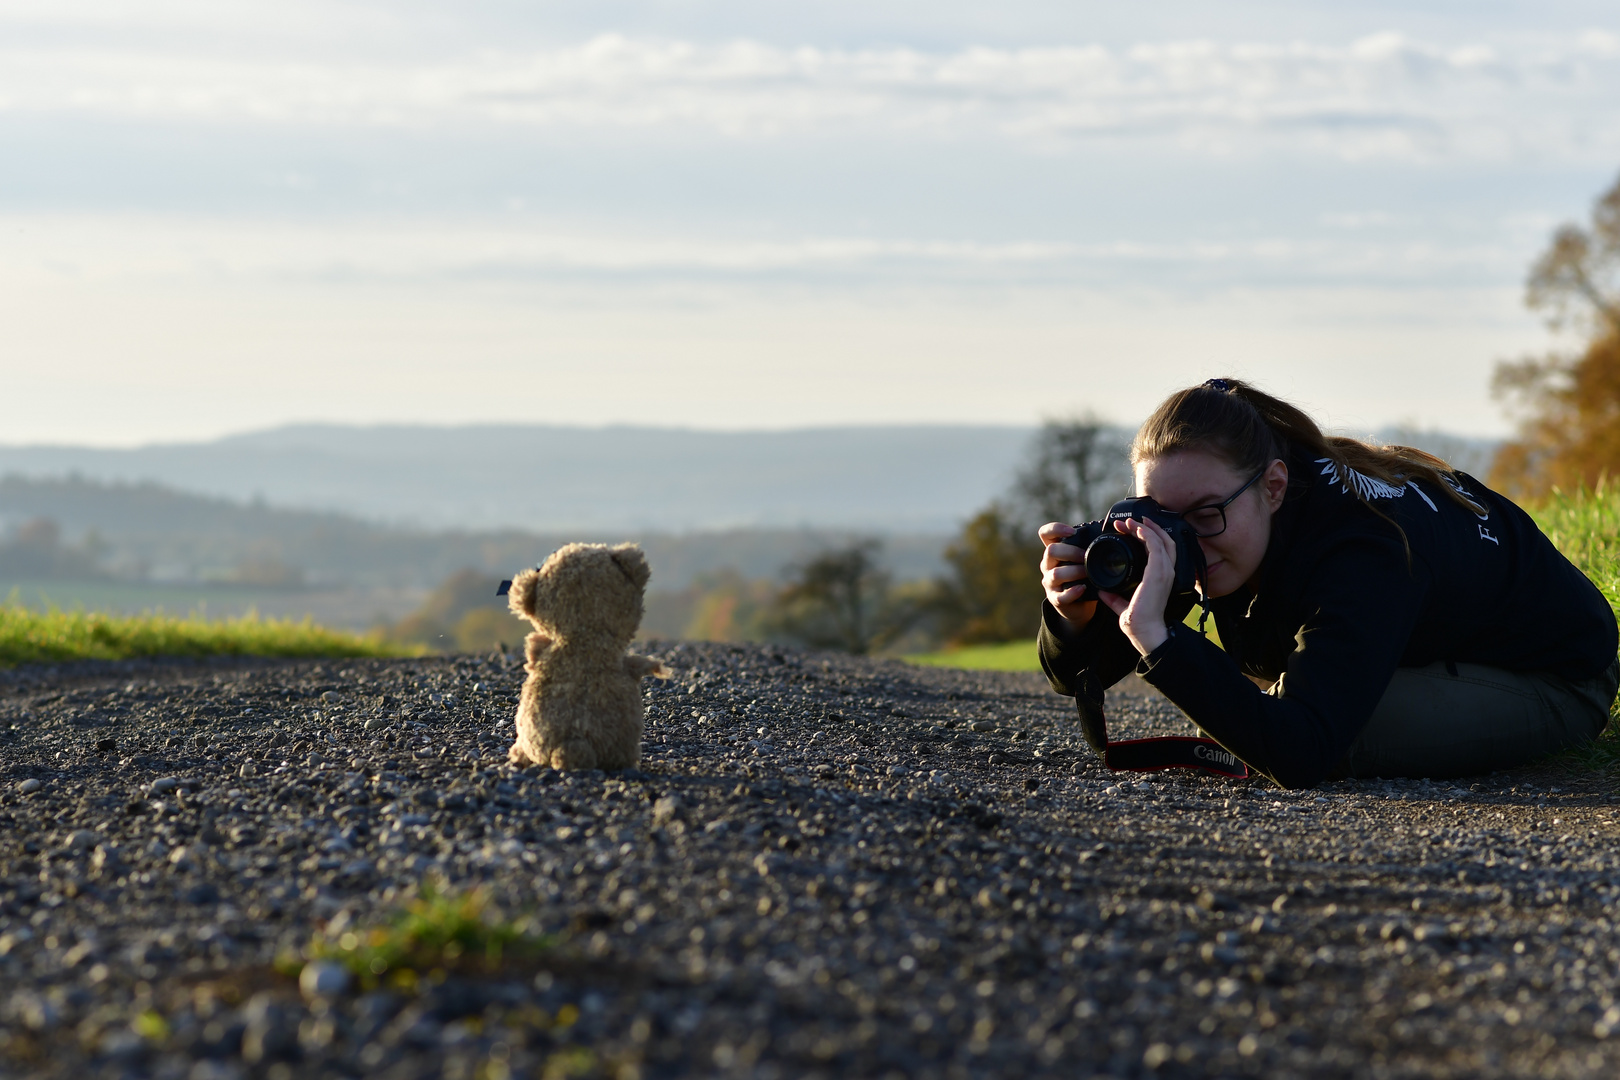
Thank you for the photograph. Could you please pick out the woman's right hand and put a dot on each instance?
(1062, 582)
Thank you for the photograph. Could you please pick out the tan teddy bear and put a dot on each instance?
(581, 705)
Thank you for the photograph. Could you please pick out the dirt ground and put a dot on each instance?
(824, 866)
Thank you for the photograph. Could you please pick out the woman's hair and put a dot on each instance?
(1249, 429)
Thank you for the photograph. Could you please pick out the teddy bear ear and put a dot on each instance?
(521, 599)
(633, 561)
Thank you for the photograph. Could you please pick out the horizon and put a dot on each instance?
(673, 429)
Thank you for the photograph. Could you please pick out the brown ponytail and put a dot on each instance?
(1249, 428)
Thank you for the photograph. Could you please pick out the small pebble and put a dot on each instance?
(323, 979)
(29, 786)
(82, 840)
(666, 809)
(163, 784)
(247, 770)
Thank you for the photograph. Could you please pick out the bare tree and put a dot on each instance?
(841, 599)
(1077, 470)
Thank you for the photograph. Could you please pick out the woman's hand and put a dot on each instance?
(1062, 582)
(1141, 615)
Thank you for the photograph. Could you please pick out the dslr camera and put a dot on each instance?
(1114, 562)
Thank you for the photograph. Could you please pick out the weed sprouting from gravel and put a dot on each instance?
(435, 931)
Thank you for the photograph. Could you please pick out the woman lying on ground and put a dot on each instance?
(1381, 615)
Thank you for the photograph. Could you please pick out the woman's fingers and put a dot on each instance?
(1142, 616)
(1054, 531)
(1059, 554)
(1059, 578)
(1116, 603)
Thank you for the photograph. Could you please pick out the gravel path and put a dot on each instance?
(826, 867)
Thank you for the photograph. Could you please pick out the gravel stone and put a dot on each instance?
(323, 979)
(823, 867)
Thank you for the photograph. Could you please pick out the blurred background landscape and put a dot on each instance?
(407, 530)
(349, 310)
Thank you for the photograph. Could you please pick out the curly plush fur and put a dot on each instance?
(581, 705)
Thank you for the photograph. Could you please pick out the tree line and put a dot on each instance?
(989, 590)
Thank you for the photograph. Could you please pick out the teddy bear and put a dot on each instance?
(581, 705)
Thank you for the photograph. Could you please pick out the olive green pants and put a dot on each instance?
(1449, 720)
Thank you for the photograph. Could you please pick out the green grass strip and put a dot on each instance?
(1003, 656)
(35, 637)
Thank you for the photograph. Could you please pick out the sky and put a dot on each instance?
(223, 215)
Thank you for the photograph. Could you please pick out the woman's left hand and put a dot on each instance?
(1141, 615)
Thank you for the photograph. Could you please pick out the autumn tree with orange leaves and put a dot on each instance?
(1569, 436)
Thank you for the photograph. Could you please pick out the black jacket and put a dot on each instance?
(1338, 609)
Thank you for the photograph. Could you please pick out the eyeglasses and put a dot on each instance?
(1207, 521)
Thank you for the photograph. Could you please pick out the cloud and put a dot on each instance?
(197, 249)
(1383, 96)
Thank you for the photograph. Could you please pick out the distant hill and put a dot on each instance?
(546, 479)
(901, 480)
(149, 532)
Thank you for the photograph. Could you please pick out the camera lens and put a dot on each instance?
(1113, 562)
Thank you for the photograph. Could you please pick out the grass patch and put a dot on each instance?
(433, 934)
(1012, 655)
(42, 637)
(1002, 656)
(1585, 526)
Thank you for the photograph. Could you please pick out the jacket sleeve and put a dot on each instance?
(1068, 656)
(1358, 607)
(1084, 663)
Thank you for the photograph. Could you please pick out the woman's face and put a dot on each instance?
(1193, 478)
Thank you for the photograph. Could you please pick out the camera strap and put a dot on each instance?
(1155, 754)
(1173, 752)
(1167, 751)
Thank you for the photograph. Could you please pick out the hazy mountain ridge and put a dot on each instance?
(416, 501)
(146, 531)
(545, 478)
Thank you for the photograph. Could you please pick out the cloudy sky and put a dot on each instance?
(228, 214)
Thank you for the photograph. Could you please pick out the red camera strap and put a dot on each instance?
(1173, 752)
(1155, 754)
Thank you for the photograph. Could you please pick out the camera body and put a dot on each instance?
(1115, 562)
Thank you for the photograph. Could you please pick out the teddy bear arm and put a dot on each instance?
(640, 667)
(535, 646)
